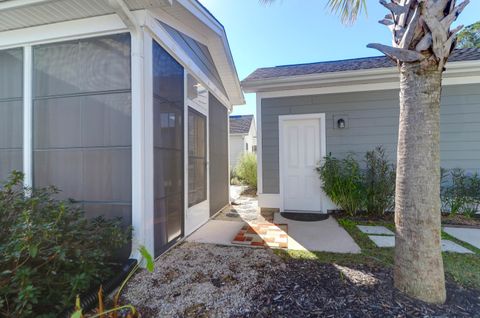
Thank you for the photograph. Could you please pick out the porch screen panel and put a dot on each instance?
(197, 157)
(218, 155)
(11, 112)
(82, 123)
(168, 121)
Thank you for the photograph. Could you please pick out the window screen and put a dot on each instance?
(11, 112)
(82, 123)
(218, 157)
(168, 123)
(197, 157)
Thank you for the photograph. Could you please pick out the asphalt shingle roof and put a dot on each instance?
(240, 124)
(469, 54)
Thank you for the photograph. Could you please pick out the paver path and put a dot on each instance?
(377, 230)
(470, 236)
(447, 246)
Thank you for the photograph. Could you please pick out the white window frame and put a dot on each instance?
(204, 206)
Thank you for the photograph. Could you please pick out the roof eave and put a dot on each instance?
(342, 77)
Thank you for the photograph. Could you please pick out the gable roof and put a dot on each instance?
(283, 71)
(40, 16)
(240, 124)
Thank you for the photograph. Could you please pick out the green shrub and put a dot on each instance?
(342, 182)
(49, 251)
(246, 170)
(379, 182)
(460, 192)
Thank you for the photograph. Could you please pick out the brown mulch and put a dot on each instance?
(447, 219)
(311, 289)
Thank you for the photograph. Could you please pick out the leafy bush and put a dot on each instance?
(49, 251)
(246, 170)
(379, 182)
(460, 192)
(342, 182)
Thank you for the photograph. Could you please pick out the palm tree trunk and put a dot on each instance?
(419, 265)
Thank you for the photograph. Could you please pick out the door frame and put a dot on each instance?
(323, 150)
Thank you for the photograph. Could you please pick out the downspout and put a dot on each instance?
(138, 124)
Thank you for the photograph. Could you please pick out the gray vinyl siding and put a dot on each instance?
(218, 128)
(372, 119)
(199, 54)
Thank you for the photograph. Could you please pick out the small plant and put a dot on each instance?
(379, 182)
(460, 192)
(234, 180)
(49, 250)
(342, 182)
(246, 170)
(128, 311)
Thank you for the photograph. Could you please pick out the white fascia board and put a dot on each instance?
(206, 18)
(163, 37)
(62, 31)
(15, 4)
(386, 78)
(199, 11)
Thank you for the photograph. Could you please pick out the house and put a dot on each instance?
(243, 137)
(123, 105)
(306, 111)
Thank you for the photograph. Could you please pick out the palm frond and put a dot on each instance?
(348, 10)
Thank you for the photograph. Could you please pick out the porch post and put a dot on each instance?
(27, 116)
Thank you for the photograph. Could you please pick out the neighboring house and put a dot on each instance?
(243, 137)
(123, 105)
(306, 111)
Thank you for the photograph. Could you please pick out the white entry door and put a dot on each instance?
(301, 151)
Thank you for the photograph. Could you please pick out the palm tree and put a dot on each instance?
(422, 42)
(470, 36)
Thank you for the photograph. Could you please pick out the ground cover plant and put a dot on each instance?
(49, 250)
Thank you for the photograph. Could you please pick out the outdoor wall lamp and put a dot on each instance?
(341, 123)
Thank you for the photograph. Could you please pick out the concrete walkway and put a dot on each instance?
(321, 236)
(468, 235)
(216, 232)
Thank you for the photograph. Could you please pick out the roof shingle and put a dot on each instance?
(240, 124)
(468, 54)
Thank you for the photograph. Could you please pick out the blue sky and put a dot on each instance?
(299, 31)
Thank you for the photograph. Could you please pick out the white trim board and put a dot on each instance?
(166, 41)
(458, 73)
(323, 150)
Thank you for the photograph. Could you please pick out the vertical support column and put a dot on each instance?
(149, 137)
(138, 143)
(27, 116)
(185, 149)
(228, 156)
(259, 145)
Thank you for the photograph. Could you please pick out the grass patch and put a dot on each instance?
(462, 268)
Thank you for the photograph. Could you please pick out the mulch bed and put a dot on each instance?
(311, 289)
(447, 219)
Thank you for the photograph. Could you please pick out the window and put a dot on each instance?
(246, 146)
(254, 149)
(197, 157)
(11, 112)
